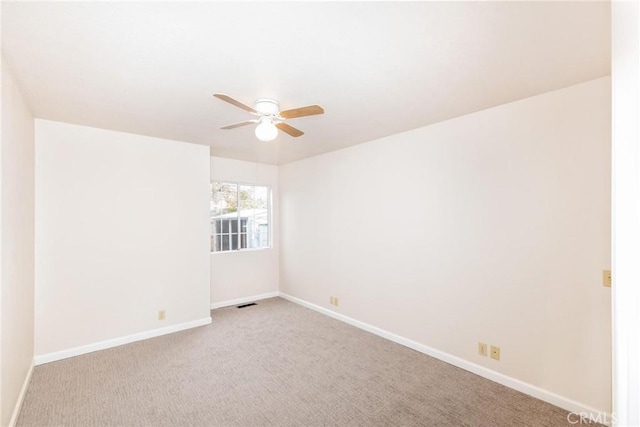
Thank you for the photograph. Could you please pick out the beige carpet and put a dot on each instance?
(274, 364)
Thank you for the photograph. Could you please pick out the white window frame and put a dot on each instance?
(269, 224)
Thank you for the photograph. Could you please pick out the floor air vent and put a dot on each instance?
(247, 305)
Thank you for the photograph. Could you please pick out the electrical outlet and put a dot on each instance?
(335, 300)
(606, 278)
(482, 349)
(495, 352)
(162, 315)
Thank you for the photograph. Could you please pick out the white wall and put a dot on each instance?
(491, 227)
(122, 225)
(17, 249)
(626, 210)
(238, 275)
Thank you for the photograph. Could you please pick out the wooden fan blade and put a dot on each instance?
(237, 125)
(290, 130)
(302, 111)
(232, 101)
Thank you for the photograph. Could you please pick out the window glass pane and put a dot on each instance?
(234, 242)
(254, 215)
(224, 213)
(224, 199)
(243, 241)
(263, 235)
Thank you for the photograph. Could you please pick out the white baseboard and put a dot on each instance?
(531, 390)
(89, 348)
(23, 392)
(228, 303)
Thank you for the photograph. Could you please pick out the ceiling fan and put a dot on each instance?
(269, 117)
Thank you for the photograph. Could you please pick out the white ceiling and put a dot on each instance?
(377, 68)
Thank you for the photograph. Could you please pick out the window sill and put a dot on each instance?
(240, 251)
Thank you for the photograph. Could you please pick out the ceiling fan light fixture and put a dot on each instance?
(266, 131)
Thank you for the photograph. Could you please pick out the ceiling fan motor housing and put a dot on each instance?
(267, 106)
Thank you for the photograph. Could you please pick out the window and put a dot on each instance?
(239, 216)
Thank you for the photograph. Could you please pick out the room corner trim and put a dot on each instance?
(23, 393)
(521, 386)
(237, 301)
(115, 342)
